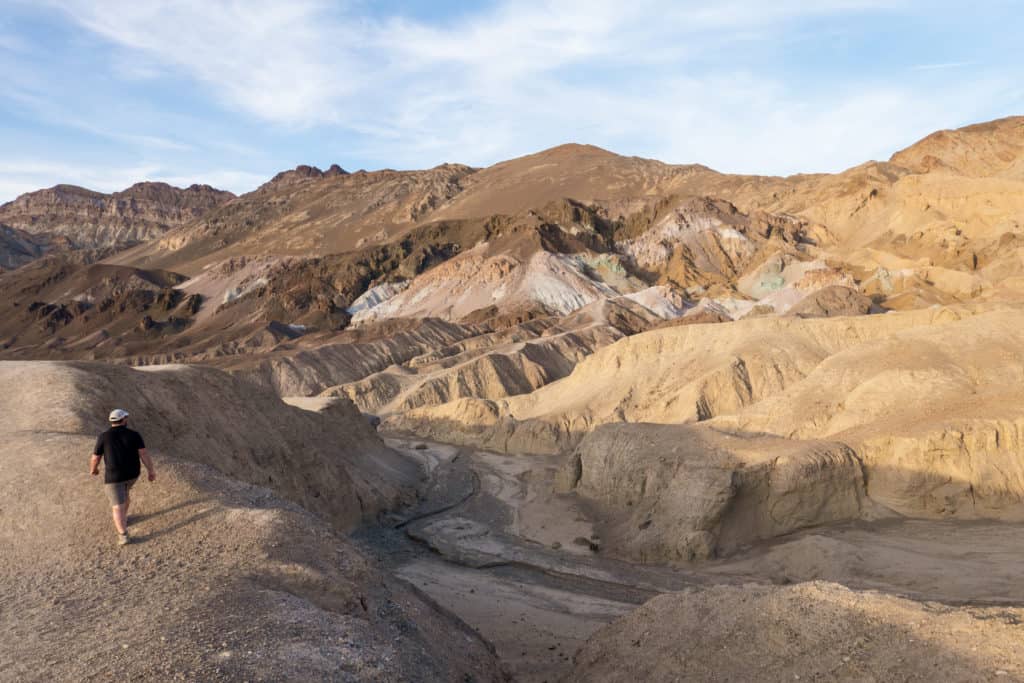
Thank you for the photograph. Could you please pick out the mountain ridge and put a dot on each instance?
(313, 252)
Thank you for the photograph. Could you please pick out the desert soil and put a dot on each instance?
(223, 581)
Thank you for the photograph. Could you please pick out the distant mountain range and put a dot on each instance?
(160, 272)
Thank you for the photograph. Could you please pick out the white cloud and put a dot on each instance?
(307, 62)
(238, 182)
(276, 59)
(940, 66)
(519, 76)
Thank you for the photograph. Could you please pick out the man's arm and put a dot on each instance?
(97, 455)
(148, 462)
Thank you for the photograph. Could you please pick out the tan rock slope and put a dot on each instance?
(332, 463)
(225, 580)
(770, 425)
(811, 631)
(682, 374)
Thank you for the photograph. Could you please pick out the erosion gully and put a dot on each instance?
(490, 541)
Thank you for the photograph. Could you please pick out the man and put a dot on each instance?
(121, 449)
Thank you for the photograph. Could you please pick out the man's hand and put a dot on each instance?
(148, 462)
(94, 465)
(94, 471)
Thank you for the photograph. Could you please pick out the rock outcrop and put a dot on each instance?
(88, 219)
(18, 247)
(669, 494)
(832, 301)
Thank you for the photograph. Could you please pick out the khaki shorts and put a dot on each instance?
(118, 493)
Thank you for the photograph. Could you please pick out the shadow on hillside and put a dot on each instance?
(180, 524)
(177, 506)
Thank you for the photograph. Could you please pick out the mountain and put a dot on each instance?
(645, 376)
(305, 212)
(313, 252)
(85, 219)
(582, 172)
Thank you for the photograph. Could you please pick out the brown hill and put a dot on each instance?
(995, 148)
(312, 252)
(582, 172)
(90, 219)
(307, 212)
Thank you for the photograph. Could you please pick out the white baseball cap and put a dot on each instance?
(117, 415)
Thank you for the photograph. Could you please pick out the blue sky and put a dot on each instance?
(106, 93)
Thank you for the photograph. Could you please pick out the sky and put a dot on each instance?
(106, 93)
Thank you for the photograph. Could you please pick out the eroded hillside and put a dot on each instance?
(650, 378)
(226, 578)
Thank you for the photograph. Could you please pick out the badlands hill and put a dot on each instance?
(685, 368)
(693, 441)
(314, 252)
(229, 578)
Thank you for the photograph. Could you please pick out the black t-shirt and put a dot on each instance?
(119, 447)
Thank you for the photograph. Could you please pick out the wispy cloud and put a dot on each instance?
(942, 65)
(286, 62)
(306, 61)
(42, 108)
(651, 77)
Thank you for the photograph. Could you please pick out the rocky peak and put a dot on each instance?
(302, 173)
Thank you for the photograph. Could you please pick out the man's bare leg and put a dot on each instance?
(119, 513)
(127, 503)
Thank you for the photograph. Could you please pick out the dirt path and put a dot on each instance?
(492, 543)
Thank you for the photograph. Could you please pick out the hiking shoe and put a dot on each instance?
(122, 539)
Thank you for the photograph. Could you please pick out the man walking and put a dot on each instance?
(121, 449)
